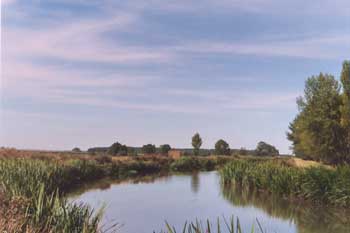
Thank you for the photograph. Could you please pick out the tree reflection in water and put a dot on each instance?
(195, 182)
(308, 218)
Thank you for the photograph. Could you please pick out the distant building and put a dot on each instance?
(175, 154)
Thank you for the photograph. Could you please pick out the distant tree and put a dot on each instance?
(149, 149)
(264, 149)
(243, 151)
(345, 108)
(222, 148)
(164, 149)
(76, 150)
(196, 143)
(117, 149)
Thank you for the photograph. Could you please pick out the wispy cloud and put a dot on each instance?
(320, 47)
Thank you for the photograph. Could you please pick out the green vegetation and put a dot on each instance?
(164, 149)
(265, 149)
(345, 108)
(222, 148)
(39, 182)
(316, 184)
(232, 226)
(196, 143)
(307, 217)
(149, 149)
(76, 150)
(321, 129)
(43, 182)
(117, 149)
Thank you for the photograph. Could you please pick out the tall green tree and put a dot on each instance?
(345, 108)
(196, 143)
(316, 132)
(222, 148)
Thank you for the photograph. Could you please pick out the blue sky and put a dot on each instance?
(88, 73)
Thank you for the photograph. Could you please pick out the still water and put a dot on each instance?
(143, 205)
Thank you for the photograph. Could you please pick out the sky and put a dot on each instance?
(91, 72)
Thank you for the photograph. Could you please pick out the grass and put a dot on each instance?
(231, 226)
(317, 184)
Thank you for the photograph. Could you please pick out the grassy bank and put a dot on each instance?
(38, 185)
(317, 184)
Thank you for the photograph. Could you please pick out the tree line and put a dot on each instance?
(221, 147)
(321, 129)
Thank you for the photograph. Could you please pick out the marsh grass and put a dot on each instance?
(230, 226)
(317, 184)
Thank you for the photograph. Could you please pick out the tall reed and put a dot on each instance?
(317, 184)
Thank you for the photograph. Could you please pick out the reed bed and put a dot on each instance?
(230, 226)
(319, 185)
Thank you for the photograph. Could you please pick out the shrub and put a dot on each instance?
(149, 149)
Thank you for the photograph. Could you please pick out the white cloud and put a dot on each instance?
(323, 47)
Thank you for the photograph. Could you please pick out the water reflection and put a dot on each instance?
(149, 200)
(195, 182)
(308, 218)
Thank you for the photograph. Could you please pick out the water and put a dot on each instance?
(143, 205)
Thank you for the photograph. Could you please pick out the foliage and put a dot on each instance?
(222, 148)
(76, 150)
(232, 226)
(317, 133)
(317, 184)
(265, 149)
(164, 149)
(117, 149)
(39, 182)
(196, 143)
(345, 108)
(149, 149)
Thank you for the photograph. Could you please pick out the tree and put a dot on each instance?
(222, 148)
(265, 149)
(316, 132)
(149, 149)
(164, 149)
(117, 149)
(76, 150)
(345, 108)
(196, 143)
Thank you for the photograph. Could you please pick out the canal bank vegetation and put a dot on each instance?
(321, 130)
(231, 225)
(36, 186)
(318, 184)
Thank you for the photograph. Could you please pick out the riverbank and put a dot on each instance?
(42, 181)
(317, 184)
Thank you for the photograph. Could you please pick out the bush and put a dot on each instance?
(264, 149)
(149, 149)
(117, 149)
(222, 148)
(164, 149)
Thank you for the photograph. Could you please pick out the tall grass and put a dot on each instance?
(230, 226)
(317, 184)
(39, 183)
